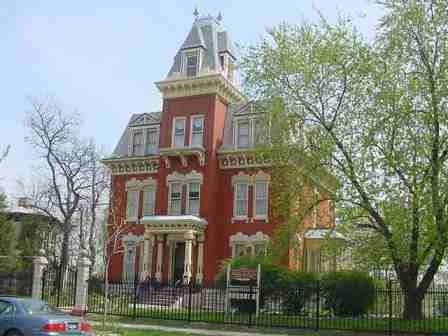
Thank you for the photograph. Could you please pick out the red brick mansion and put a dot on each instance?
(186, 181)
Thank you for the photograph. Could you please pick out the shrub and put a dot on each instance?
(349, 293)
(296, 290)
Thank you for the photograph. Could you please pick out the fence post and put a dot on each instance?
(39, 263)
(134, 304)
(250, 300)
(390, 305)
(317, 305)
(189, 301)
(82, 276)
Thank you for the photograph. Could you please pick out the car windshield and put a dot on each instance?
(39, 307)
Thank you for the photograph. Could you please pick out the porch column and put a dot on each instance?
(171, 248)
(200, 263)
(189, 236)
(147, 257)
(159, 259)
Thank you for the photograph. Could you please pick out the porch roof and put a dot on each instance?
(168, 224)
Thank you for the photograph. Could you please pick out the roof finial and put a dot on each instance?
(219, 17)
(196, 13)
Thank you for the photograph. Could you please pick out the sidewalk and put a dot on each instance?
(194, 331)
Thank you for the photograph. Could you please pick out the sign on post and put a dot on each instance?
(241, 281)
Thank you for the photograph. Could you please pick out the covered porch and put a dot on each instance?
(173, 248)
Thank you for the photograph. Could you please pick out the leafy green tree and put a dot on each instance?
(7, 239)
(375, 116)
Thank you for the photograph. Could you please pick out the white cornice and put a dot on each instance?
(200, 85)
(135, 165)
(169, 224)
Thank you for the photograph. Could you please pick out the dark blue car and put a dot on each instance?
(30, 317)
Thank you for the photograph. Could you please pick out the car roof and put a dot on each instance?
(13, 298)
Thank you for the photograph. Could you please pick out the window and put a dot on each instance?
(6, 308)
(149, 201)
(137, 143)
(179, 132)
(243, 133)
(259, 249)
(259, 134)
(249, 132)
(242, 249)
(192, 63)
(197, 131)
(132, 204)
(241, 198)
(222, 61)
(261, 199)
(175, 198)
(193, 198)
(152, 140)
(129, 261)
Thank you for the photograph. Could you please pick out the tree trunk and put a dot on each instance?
(65, 251)
(413, 303)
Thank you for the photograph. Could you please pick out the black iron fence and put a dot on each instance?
(16, 283)
(305, 307)
(59, 287)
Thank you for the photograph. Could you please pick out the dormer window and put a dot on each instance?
(144, 141)
(243, 135)
(191, 61)
(249, 132)
(152, 140)
(137, 143)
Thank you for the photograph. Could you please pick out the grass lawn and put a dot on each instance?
(272, 321)
(115, 320)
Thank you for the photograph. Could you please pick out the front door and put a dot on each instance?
(178, 262)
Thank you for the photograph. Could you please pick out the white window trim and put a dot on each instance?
(187, 205)
(235, 215)
(138, 185)
(266, 215)
(184, 61)
(192, 118)
(173, 131)
(134, 218)
(170, 186)
(248, 241)
(153, 190)
(144, 130)
(134, 132)
(251, 120)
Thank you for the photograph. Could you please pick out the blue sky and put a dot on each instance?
(101, 57)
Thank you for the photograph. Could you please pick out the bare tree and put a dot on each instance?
(5, 153)
(67, 161)
(114, 228)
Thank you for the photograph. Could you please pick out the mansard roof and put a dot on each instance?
(207, 33)
(136, 120)
(235, 111)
